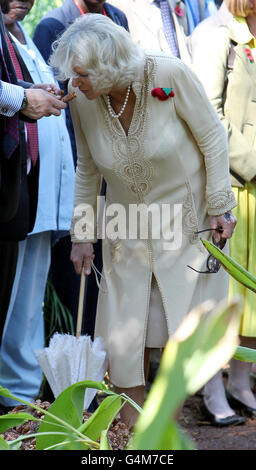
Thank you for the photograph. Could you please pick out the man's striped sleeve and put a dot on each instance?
(11, 97)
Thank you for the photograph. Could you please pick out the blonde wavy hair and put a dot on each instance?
(240, 7)
(101, 48)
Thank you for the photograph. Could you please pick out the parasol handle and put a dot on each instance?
(80, 304)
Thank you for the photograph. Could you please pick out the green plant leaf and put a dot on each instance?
(102, 418)
(3, 444)
(172, 438)
(70, 442)
(69, 407)
(231, 266)
(4, 392)
(10, 420)
(132, 402)
(169, 437)
(245, 354)
(205, 341)
(104, 444)
(9, 445)
(179, 440)
(14, 445)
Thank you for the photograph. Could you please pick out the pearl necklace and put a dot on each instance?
(110, 110)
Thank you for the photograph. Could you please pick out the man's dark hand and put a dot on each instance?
(42, 103)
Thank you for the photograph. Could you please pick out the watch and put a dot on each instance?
(24, 102)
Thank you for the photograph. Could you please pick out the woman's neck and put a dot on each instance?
(118, 96)
(251, 21)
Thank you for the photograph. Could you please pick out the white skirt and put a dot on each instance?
(157, 331)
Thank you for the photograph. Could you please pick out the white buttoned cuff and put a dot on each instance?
(11, 97)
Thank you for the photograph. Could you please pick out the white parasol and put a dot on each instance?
(69, 359)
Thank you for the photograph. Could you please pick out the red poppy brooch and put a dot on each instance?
(249, 55)
(178, 10)
(162, 93)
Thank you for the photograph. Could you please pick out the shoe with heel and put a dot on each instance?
(240, 406)
(233, 420)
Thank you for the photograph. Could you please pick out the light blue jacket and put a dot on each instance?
(56, 179)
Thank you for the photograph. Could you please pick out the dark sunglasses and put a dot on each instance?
(213, 264)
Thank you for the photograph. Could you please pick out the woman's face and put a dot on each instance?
(19, 9)
(82, 81)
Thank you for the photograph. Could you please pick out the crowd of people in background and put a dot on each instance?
(40, 148)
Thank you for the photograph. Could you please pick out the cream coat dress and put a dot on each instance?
(175, 154)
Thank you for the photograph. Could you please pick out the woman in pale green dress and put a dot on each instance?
(225, 62)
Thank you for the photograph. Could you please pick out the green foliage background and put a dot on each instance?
(40, 8)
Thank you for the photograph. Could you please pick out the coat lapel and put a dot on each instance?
(181, 28)
(249, 66)
(144, 13)
(240, 34)
(180, 20)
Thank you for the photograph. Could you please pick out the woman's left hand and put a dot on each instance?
(224, 225)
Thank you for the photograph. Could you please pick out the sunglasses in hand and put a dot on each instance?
(212, 263)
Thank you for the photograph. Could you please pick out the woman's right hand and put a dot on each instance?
(82, 255)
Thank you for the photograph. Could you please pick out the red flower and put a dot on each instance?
(249, 55)
(179, 11)
(162, 93)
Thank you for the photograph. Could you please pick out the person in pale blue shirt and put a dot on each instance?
(197, 11)
(24, 329)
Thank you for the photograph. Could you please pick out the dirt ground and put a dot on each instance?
(191, 421)
(207, 437)
(118, 433)
(204, 436)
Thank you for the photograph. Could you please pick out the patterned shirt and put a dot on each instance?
(11, 96)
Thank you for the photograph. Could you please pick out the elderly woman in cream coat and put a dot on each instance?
(153, 153)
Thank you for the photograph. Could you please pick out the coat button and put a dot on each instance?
(4, 110)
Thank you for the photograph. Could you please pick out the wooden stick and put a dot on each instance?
(80, 304)
(68, 97)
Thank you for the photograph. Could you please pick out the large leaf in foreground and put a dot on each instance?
(68, 406)
(102, 418)
(3, 444)
(245, 278)
(205, 341)
(10, 420)
(231, 266)
(245, 354)
(104, 444)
